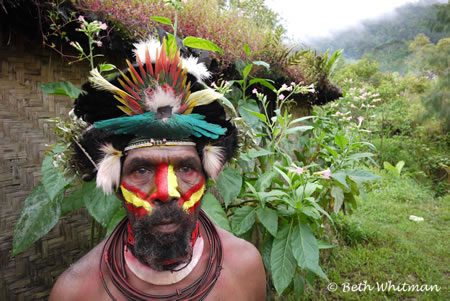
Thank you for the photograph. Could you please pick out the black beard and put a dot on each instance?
(153, 248)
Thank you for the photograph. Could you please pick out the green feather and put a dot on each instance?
(178, 126)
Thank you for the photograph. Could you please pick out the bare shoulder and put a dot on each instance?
(244, 261)
(81, 279)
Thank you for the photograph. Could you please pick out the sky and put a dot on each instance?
(306, 19)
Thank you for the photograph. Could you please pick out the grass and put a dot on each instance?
(378, 244)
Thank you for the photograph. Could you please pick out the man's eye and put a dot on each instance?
(185, 169)
(141, 171)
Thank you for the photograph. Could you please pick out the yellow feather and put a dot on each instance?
(126, 110)
(203, 97)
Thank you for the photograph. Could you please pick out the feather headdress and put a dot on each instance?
(156, 96)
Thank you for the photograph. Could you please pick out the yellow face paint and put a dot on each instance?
(141, 206)
(172, 183)
(195, 197)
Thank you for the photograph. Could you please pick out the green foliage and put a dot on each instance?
(283, 195)
(39, 215)
(394, 170)
(60, 88)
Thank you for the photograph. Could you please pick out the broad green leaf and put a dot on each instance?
(282, 261)
(340, 177)
(52, 179)
(257, 114)
(263, 82)
(39, 215)
(265, 180)
(269, 219)
(305, 249)
(300, 120)
(243, 219)
(297, 129)
(311, 212)
(299, 285)
(102, 207)
(266, 249)
(338, 195)
(106, 67)
(72, 202)
(229, 184)
(361, 176)
(261, 63)
(354, 187)
(201, 44)
(399, 166)
(307, 190)
(273, 194)
(388, 165)
(227, 103)
(341, 141)
(116, 218)
(359, 156)
(247, 70)
(243, 108)
(215, 211)
(330, 150)
(60, 88)
(247, 49)
(252, 189)
(283, 174)
(162, 20)
(324, 245)
(171, 43)
(253, 153)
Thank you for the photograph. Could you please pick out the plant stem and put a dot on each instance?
(175, 24)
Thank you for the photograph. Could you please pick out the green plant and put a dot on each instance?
(394, 170)
(188, 41)
(280, 198)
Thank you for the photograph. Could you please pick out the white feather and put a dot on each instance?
(108, 175)
(160, 98)
(197, 69)
(213, 160)
(153, 46)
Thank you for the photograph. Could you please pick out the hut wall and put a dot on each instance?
(23, 139)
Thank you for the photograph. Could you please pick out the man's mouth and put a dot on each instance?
(167, 227)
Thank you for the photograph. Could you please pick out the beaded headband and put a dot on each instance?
(139, 143)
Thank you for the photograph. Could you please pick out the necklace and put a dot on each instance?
(197, 290)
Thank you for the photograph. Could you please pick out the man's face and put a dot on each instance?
(162, 188)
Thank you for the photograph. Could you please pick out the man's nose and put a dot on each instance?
(166, 184)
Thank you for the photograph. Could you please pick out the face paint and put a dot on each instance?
(190, 200)
(166, 183)
(136, 200)
(166, 187)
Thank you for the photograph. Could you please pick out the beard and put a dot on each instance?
(154, 248)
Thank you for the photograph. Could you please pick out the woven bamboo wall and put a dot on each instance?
(23, 138)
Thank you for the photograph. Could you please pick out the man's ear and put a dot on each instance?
(213, 160)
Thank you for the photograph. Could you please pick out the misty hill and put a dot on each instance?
(386, 39)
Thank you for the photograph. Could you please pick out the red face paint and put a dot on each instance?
(161, 183)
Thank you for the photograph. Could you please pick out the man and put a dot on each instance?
(156, 135)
